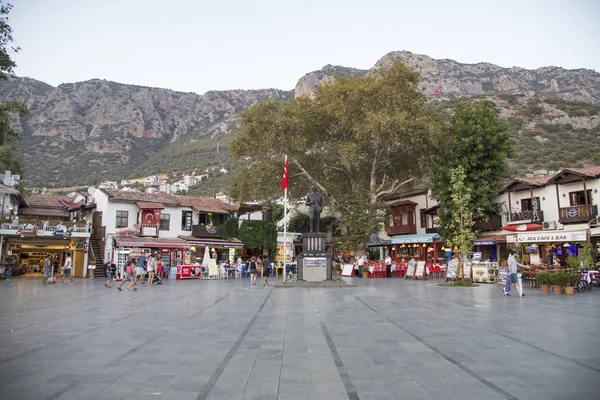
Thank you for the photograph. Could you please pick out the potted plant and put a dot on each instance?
(570, 279)
(543, 281)
(556, 281)
(337, 268)
(365, 271)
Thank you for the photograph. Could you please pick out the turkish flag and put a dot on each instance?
(284, 180)
(438, 90)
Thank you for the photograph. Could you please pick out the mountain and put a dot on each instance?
(87, 132)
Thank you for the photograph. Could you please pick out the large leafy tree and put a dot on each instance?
(358, 139)
(472, 166)
(9, 156)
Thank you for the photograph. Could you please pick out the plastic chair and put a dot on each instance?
(223, 273)
(237, 273)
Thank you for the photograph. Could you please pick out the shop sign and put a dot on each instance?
(575, 236)
(483, 243)
(62, 234)
(149, 230)
(572, 212)
(27, 232)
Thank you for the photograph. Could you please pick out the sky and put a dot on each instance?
(198, 45)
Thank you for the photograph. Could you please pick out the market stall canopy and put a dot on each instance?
(134, 241)
(522, 227)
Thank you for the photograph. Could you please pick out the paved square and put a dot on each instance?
(383, 339)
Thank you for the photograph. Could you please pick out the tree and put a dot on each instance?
(470, 171)
(9, 109)
(481, 143)
(358, 139)
(460, 224)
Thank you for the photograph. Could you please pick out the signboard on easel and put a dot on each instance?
(420, 271)
(410, 272)
(213, 269)
(347, 269)
(452, 267)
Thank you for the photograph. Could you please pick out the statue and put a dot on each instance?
(315, 202)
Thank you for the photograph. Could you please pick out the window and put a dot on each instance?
(423, 218)
(578, 198)
(527, 204)
(165, 222)
(186, 220)
(203, 219)
(122, 219)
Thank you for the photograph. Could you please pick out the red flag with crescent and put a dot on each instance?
(284, 180)
(438, 90)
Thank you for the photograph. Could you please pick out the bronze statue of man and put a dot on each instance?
(315, 202)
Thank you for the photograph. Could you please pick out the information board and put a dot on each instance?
(467, 269)
(347, 269)
(410, 272)
(451, 272)
(312, 262)
(420, 271)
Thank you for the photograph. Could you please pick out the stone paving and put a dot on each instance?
(383, 339)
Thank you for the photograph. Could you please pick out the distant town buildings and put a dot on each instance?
(109, 185)
(10, 180)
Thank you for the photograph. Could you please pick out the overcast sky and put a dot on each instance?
(198, 45)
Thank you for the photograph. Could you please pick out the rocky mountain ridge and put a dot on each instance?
(87, 132)
(441, 79)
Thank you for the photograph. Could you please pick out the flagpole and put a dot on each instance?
(285, 226)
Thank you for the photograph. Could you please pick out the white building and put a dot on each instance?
(10, 180)
(189, 180)
(125, 182)
(109, 185)
(179, 187)
(9, 205)
(151, 181)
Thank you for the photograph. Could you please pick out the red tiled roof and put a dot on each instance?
(592, 172)
(128, 196)
(204, 204)
(46, 200)
(207, 204)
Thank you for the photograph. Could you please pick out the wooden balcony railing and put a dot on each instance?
(518, 216)
(402, 230)
(577, 214)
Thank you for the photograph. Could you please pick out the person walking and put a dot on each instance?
(130, 275)
(266, 267)
(67, 268)
(47, 270)
(513, 267)
(139, 269)
(91, 268)
(252, 268)
(151, 267)
(111, 270)
(388, 266)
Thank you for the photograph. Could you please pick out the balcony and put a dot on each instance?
(146, 229)
(402, 230)
(494, 223)
(519, 217)
(431, 230)
(577, 214)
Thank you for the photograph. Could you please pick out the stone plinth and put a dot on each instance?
(314, 265)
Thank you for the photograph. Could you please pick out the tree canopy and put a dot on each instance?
(473, 166)
(358, 139)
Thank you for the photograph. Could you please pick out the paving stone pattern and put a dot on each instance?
(223, 339)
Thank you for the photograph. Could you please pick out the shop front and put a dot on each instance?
(219, 249)
(543, 248)
(490, 247)
(171, 253)
(24, 250)
(421, 247)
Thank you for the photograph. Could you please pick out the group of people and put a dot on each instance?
(135, 271)
(253, 266)
(48, 270)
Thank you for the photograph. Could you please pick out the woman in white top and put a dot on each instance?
(150, 267)
(91, 268)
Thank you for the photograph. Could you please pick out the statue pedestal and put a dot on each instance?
(314, 263)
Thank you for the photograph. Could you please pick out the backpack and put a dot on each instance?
(129, 270)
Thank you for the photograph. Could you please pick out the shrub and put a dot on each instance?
(542, 278)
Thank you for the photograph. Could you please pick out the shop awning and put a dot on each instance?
(399, 239)
(419, 238)
(144, 205)
(212, 242)
(489, 240)
(135, 241)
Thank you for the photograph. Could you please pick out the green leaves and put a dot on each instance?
(357, 138)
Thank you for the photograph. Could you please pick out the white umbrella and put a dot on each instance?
(205, 260)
